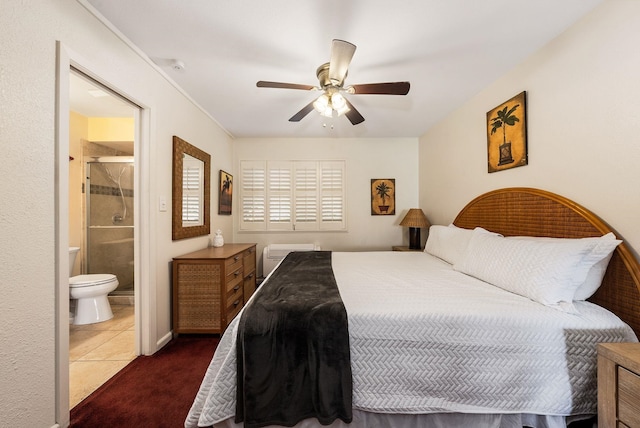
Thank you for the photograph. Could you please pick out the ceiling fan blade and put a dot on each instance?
(341, 54)
(302, 113)
(280, 85)
(391, 88)
(353, 115)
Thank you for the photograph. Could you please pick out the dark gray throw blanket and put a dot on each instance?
(293, 347)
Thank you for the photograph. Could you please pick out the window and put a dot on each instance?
(292, 195)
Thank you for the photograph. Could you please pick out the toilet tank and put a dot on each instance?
(73, 252)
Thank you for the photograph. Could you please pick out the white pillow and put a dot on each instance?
(447, 242)
(597, 271)
(548, 272)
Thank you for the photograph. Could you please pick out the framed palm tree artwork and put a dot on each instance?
(507, 134)
(225, 194)
(383, 196)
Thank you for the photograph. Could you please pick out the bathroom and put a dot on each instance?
(101, 225)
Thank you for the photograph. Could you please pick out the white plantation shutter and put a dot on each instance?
(293, 195)
(192, 191)
(306, 196)
(279, 190)
(332, 196)
(253, 195)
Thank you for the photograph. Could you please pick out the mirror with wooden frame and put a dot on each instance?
(191, 191)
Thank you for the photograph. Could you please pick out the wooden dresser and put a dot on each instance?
(210, 286)
(619, 385)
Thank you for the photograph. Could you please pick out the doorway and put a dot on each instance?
(102, 201)
(144, 261)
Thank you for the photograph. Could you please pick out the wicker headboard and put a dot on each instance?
(533, 212)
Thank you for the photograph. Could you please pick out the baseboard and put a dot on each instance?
(164, 340)
(121, 300)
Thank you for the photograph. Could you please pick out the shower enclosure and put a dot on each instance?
(109, 218)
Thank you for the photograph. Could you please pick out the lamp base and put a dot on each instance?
(414, 238)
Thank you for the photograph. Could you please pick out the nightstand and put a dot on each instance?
(618, 385)
(404, 248)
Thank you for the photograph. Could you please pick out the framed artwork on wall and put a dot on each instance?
(507, 134)
(225, 194)
(383, 196)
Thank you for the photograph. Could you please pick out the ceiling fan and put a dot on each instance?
(331, 76)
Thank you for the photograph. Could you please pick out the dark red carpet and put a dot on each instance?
(155, 391)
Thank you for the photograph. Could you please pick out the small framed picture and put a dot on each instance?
(507, 134)
(225, 194)
(383, 196)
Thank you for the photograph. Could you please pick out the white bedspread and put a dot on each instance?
(427, 339)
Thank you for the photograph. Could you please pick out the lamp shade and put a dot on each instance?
(415, 218)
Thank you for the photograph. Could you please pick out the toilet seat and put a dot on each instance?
(91, 279)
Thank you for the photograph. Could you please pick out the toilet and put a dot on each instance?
(90, 292)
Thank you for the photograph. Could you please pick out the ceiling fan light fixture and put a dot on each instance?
(327, 103)
(321, 103)
(342, 110)
(339, 104)
(337, 101)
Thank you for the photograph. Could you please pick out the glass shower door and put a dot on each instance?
(109, 213)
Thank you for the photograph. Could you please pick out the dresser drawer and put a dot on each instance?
(249, 285)
(234, 304)
(628, 397)
(233, 263)
(249, 259)
(233, 278)
(233, 290)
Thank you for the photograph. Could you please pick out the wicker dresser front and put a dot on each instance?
(210, 286)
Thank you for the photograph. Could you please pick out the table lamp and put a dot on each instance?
(414, 220)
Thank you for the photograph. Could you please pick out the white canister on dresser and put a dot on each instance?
(218, 240)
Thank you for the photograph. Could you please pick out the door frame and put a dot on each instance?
(144, 263)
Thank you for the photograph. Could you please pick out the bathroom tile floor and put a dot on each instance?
(99, 351)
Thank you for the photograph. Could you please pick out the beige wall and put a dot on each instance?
(28, 187)
(365, 159)
(111, 128)
(583, 126)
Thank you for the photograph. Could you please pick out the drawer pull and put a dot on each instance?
(251, 275)
(236, 303)
(236, 258)
(236, 273)
(236, 288)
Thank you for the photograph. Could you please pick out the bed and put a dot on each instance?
(455, 350)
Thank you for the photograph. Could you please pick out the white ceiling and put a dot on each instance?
(92, 100)
(448, 49)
